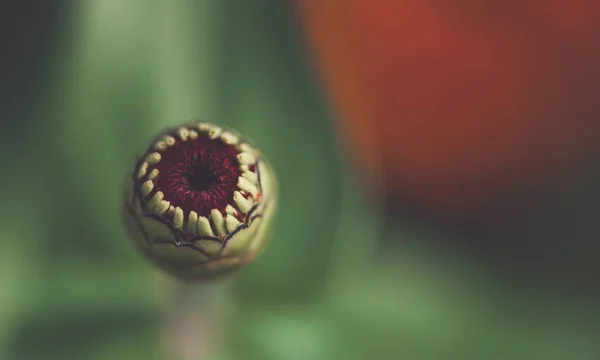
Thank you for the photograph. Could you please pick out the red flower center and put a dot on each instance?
(199, 175)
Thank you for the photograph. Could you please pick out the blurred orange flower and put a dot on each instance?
(465, 102)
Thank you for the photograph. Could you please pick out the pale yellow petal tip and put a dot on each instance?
(160, 145)
(178, 218)
(250, 176)
(183, 133)
(153, 174)
(204, 126)
(142, 170)
(169, 140)
(229, 138)
(204, 227)
(247, 186)
(162, 207)
(246, 158)
(230, 210)
(155, 201)
(192, 223)
(231, 222)
(242, 203)
(219, 222)
(215, 132)
(153, 158)
(246, 147)
(170, 210)
(146, 187)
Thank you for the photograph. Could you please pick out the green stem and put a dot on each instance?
(196, 315)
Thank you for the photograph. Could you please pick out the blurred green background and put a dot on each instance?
(87, 83)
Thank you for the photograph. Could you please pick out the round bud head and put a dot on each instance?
(199, 202)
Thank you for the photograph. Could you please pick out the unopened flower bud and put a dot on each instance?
(199, 202)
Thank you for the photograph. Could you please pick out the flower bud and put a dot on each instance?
(199, 202)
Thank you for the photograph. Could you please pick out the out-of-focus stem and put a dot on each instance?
(196, 315)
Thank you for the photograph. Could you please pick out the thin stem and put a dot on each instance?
(196, 315)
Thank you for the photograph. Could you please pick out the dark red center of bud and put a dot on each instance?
(199, 175)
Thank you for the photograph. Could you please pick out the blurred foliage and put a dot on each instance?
(105, 76)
